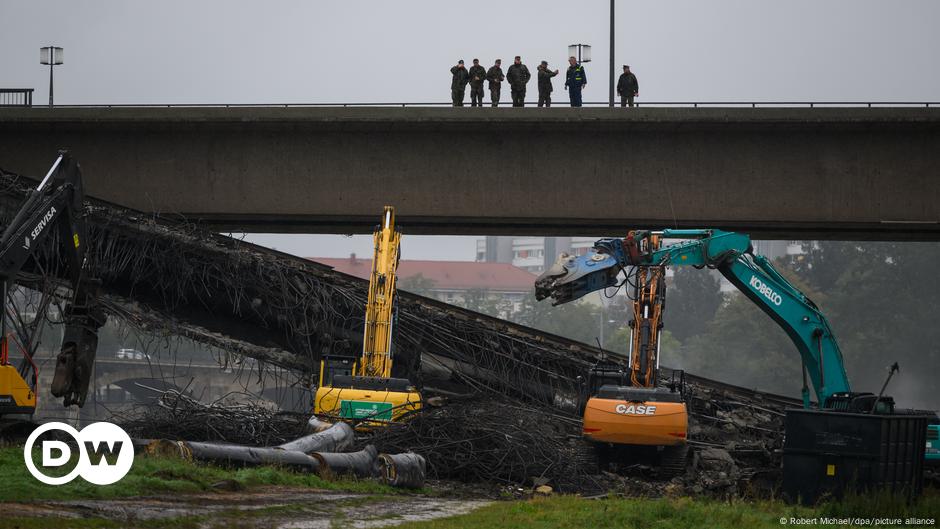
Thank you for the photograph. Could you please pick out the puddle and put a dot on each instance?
(280, 508)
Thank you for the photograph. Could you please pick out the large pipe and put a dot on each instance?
(360, 464)
(234, 454)
(336, 438)
(406, 470)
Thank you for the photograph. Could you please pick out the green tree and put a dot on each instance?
(479, 300)
(881, 300)
(883, 308)
(743, 346)
(692, 302)
(578, 320)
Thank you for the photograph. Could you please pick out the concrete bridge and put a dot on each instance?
(849, 173)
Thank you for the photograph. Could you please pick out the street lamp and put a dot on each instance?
(611, 102)
(580, 51)
(52, 56)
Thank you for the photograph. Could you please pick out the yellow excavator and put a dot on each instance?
(363, 390)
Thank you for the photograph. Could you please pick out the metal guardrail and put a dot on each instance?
(558, 104)
(16, 97)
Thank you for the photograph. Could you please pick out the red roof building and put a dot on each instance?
(450, 280)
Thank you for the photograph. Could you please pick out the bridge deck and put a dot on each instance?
(852, 173)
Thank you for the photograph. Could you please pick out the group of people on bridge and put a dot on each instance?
(518, 77)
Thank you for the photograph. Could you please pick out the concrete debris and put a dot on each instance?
(716, 459)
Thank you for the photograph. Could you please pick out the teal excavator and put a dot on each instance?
(843, 439)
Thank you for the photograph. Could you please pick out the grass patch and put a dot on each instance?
(160, 475)
(572, 512)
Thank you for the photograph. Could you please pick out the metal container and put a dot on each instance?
(828, 453)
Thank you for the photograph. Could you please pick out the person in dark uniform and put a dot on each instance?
(458, 83)
(477, 76)
(575, 81)
(518, 75)
(545, 84)
(627, 87)
(495, 76)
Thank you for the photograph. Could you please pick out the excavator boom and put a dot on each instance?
(571, 277)
(56, 203)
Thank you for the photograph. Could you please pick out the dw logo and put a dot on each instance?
(105, 453)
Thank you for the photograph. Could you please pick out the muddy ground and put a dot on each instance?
(268, 508)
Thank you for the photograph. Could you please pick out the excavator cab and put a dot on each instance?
(369, 401)
(332, 366)
(626, 422)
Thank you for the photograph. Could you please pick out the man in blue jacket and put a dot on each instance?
(575, 81)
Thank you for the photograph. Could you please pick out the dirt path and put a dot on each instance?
(270, 508)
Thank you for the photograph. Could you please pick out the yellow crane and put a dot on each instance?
(363, 389)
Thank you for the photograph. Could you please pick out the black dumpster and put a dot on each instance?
(828, 453)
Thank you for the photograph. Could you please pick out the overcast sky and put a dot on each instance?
(122, 51)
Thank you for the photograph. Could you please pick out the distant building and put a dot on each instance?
(449, 281)
(534, 254)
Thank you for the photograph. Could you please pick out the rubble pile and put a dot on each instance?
(735, 442)
(494, 441)
(735, 435)
(237, 418)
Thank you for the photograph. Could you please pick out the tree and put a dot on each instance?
(479, 300)
(743, 346)
(578, 320)
(692, 301)
(881, 300)
(883, 309)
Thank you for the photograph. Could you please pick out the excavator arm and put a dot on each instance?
(380, 307)
(571, 277)
(365, 390)
(57, 203)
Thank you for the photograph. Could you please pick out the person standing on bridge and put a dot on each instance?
(575, 81)
(518, 75)
(545, 84)
(477, 76)
(495, 76)
(627, 87)
(458, 83)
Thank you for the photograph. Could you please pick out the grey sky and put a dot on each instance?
(120, 51)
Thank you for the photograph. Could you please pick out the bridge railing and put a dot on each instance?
(16, 97)
(560, 103)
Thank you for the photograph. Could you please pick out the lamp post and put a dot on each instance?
(52, 56)
(581, 51)
(611, 53)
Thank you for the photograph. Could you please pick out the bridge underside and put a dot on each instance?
(788, 173)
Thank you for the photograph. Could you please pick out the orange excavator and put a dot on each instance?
(629, 409)
(626, 405)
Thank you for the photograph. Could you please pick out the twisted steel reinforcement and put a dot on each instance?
(285, 312)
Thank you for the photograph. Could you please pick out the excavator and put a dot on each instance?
(56, 203)
(629, 408)
(363, 389)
